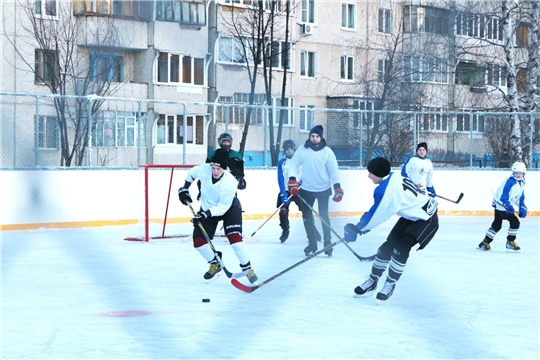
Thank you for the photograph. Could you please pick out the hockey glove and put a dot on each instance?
(350, 233)
(431, 191)
(523, 211)
(293, 186)
(338, 194)
(509, 208)
(284, 196)
(241, 183)
(184, 196)
(201, 216)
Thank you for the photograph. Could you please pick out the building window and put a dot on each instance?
(367, 117)
(522, 35)
(45, 66)
(180, 69)
(434, 120)
(496, 75)
(479, 25)
(383, 71)
(426, 19)
(421, 68)
(308, 11)
(521, 80)
(231, 50)
(347, 68)
(470, 74)
(385, 21)
(307, 117)
(281, 58)
(307, 64)
(140, 9)
(468, 122)
(170, 129)
(108, 68)
(115, 129)
(185, 12)
(238, 114)
(46, 8)
(348, 16)
(47, 132)
(288, 115)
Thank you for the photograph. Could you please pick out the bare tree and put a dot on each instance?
(67, 70)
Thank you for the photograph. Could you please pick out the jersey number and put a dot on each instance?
(409, 185)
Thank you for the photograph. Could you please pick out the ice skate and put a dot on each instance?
(252, 277)
(484, 246)
(512, 247)
(329, 251)
(366, 289)
(311, 248)
(284, 235)
(215, 269)
(386, 292)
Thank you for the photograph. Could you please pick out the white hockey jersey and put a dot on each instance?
(397, 195)
(419, 170)
(216, 197)
(511, 192)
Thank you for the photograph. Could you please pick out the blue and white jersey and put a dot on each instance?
(319, 168)
(215, 196)
(419, 170)
(284, 171)
(397, 195)
(511, 192)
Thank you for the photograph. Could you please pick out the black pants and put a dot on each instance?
(496, 225)
(323, 199)
(232, 222)
(395, 250)
(284, 211)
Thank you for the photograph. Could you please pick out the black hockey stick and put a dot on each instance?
(361, 258)
(271, 216)
(455, 202)
(207, 237)
(251, 288)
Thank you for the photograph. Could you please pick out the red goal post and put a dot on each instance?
(149, 185)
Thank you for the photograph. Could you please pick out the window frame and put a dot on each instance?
(279, 55)
(191, 12)
(463, 122)
(42, 6)
(309, 11)
(306, 117)
(276, 110)
(43, 74)
(347, 68)
(112, 61)
(116, 129)
(421, 68)
(385, 21)
(46, 134)
(187, 70)
(435, 119)
(308, 64)
(348, 16)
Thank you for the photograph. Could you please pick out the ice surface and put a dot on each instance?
(88, 294)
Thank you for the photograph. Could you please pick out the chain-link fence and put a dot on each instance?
(91, 131)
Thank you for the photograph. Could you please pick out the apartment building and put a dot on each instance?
(427, 57)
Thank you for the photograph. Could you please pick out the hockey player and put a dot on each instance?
(218, 202)
(419, 169)
(283, 165)
(319, 173)
(235, 161)
(509, 198)
(417, 225)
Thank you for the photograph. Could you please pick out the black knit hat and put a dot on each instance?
(422, 144)
(379, 167)
(317, 129)
(220, 158)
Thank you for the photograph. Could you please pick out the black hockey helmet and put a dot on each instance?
(289, 144)
(225, 137)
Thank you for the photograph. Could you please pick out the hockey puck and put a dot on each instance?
(205, 300)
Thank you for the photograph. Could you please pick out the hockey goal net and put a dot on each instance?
(159, 206)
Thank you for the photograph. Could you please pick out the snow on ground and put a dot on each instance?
(88, 294)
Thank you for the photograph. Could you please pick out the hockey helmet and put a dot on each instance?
(519, 167)
(289, 144)
(225, 137)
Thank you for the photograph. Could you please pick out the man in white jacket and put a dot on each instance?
(319, 174)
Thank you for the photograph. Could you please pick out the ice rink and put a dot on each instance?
(88, 294)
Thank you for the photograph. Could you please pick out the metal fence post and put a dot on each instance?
(89, 133)
(265, 134)
(184, 135)
(139, 133)
(470, 138)
(36, 135)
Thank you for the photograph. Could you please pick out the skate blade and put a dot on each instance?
(510, 251)
(213, 278)
(368, 294)
(381, 302)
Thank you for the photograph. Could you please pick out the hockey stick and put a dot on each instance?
(455, 202)
(361, 258)
(271, 216)
(251, 288)
(207, 237)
